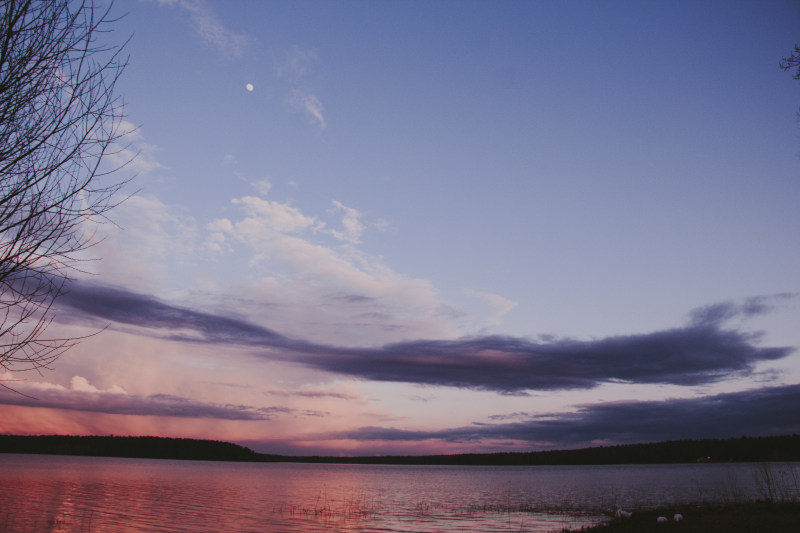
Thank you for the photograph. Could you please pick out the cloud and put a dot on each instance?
(498, 306)
(132, 152)
(510, 416)
(352, 298)
(166, 321)
(725, 311)
(299, 262)
(82, 396)
(81, 384)
(682, 356)
(294, 67)
(210, 27)
(309, 104)
(691, 355)
(759, 412)
(148, 243)
(267, 253)
(270, 218)
(311, 394)
(353, 228)
(296, 63)
(268, 226)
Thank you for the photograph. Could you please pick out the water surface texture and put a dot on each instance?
(60, 493)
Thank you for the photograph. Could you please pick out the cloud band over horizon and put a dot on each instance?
(755, 412)
(698, 353)
(759, 412)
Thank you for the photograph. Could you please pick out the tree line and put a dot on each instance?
(743, 449)
(139, 447)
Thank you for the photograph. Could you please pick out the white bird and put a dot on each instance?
(678, 517)
(622, 514)
(661, 519)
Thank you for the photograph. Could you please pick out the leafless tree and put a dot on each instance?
(59, 121)
(792, 62)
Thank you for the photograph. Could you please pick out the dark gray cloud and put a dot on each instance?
(314, 413)
(684, 356)
(761, 412)
(312, 394)
(127, 404)
(170, 322)
(721, 312)
(510, 416)
(352, 298)
(702, 352)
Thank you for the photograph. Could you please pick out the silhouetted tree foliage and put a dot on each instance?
(59, 119)
(792, 62)
(141, 447)
(744, 449)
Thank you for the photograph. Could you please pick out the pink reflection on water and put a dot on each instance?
(56, 493)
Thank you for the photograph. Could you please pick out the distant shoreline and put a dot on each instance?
(785, 448)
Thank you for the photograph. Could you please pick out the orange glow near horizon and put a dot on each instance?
(43, 421)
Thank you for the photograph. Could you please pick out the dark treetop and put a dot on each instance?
(744, 449)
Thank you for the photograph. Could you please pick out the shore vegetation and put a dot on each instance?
(784, 448)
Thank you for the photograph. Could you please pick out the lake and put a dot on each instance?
(63, 493)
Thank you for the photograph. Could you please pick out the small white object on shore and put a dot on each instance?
(678, 517)
(622, 514)
(661, 519)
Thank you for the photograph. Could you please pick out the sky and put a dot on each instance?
(360, 228)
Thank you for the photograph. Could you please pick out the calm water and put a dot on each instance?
(58, 493)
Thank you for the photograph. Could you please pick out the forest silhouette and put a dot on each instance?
(743, 449)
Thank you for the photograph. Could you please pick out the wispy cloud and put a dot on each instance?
(753, 412)
(296, 63)
(303, 393)
(294, 67)
(163, 320)
(146, 244)
(720, 312)
(133, 152)
(310, 105)
(498, 306)
(210, 27)
(351, 223)
(681, 356)
(292, 261)
(690, 355)
(82, 396)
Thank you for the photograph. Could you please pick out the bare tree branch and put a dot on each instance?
(792, 62)
(59, 118)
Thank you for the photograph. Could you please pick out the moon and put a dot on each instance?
(249, 87)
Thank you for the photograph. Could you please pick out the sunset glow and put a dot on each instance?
(368, 228)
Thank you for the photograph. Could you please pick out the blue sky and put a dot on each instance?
(442, 226)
